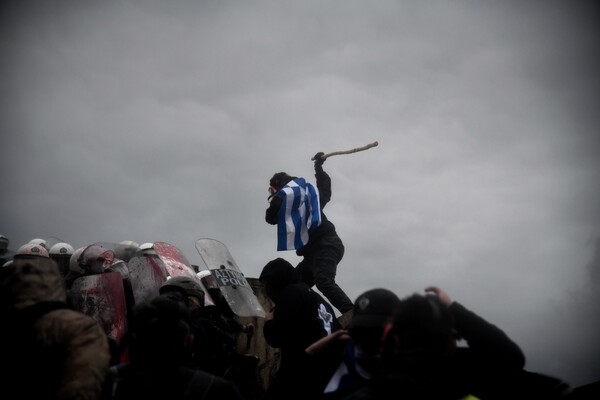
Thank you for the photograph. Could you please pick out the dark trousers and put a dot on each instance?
(319, 266)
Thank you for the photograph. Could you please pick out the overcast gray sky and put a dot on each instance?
(163, 121)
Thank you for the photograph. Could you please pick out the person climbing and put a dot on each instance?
(297, 210)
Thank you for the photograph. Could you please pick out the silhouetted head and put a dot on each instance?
(186, 285)
(161, 332)
(279, 180)
(422, 325)
(372, 311)
(276, 275)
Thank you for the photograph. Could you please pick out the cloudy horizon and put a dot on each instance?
(147, 121)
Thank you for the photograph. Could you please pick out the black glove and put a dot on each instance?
(319, 160)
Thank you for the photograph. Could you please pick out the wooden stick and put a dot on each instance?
(357, 149)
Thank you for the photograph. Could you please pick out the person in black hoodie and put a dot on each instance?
(300, 317)
(324, 249)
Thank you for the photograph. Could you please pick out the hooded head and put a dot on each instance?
(276, 275)
(28, 281)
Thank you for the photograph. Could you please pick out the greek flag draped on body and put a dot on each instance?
(299, 212)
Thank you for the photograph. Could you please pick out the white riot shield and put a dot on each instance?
(234, 286)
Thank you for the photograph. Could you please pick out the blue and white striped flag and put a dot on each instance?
(300, 211)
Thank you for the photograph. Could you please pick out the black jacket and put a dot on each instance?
(326, 227)
(489, 368)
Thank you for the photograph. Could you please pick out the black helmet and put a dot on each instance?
(185, 284)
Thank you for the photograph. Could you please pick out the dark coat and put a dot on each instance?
(50, 351)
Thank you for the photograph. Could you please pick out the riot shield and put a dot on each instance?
(176, 263)
(269, 357)
(97, 258)
(146, 275)
(52, 240)
(234, 286)
(102, 297)
(126, 252)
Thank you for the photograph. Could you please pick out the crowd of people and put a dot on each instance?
(176, 346)
(104, 322)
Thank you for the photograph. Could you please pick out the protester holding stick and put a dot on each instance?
(297, 210)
